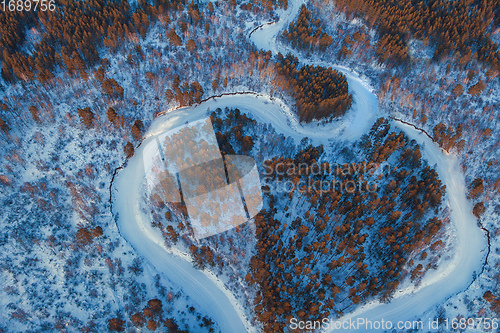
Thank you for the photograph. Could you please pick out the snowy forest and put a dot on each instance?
(374, 126)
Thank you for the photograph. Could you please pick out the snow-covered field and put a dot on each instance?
(456, 274)
(450, 278)
(136, 228)
(208, 292)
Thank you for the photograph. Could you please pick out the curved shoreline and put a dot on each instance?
(135, 226)
(408, 304)
(470, 242)
(268, 111)
(481, 226)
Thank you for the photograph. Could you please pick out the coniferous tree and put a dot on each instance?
(3, 125)
(116, 325)
(35, 113)
(86, 116)
(137, 130)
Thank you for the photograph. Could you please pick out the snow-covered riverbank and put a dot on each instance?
(209, 293)
(204, 288)
(454, 275)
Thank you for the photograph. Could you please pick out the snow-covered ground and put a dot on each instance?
(455, 275)
(265, 36)
(135, 226)
(450, 278)
(363, 113)
(209, 293)
(204, 289)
